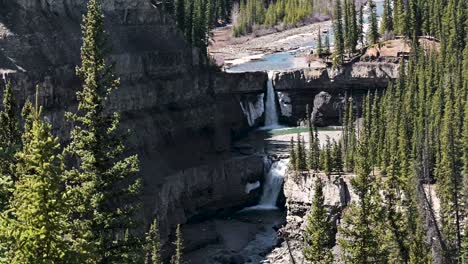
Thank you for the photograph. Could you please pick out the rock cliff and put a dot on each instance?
(324, 88)
(182, 117)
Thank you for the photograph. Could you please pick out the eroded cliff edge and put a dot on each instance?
(181, 117)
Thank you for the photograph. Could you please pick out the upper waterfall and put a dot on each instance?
(271, 112)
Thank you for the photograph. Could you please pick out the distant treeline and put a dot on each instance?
(256, 13)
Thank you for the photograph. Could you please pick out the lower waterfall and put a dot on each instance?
(274, 178)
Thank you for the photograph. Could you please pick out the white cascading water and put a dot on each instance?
(271, 114)
(273, 183)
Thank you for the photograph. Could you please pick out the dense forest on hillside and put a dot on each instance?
(413, 134)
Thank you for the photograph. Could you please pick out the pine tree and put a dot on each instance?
(361, 25)
(37, 228)
(317, 236)
(387, 18)
(153, 244)
(101, 182)
(292, 155)
(301, 158)
(338, 158)
(9, 145)
(316, 151)
(361, 230)
(327, 44)
(177, 258)
(319, 43)
(450, 180)
(328, 160)
(339, 38)
(180, 14)
(373, 29)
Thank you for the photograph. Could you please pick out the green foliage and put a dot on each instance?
(177, 258)
(101, 181)
(373, 29)
(361, 225)
(153, 244)
(387, 18)
(292, 154)
(9, 145)
(339, 38)
(254, 13)
(36, 226)
(317, 236)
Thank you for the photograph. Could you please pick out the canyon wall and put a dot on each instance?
(324, 89)
(181, 116)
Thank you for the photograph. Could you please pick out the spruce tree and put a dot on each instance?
(387, 18)
(9, 145)
(177, 258)
(101, 180)
(153, 245)
(361, 228)
(292, 155)
(180, 14)
(319, 43)
(327, 44)
(338, 158)
(339, 38)
(317, 235)
(373, 29)
(38, 228)
(328, 159)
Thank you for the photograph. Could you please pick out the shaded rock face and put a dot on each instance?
(326, 109)
(182, 117)
(301, 88)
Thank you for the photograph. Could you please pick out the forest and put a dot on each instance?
(75, 200)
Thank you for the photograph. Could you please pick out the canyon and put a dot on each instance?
(184, 118)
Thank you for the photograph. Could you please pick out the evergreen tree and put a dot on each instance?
(361, 26)
(153, 245)
(337, 158)
(292, 154)
(387, 18)
(339, 38)
(101, 182)
(328, 160)
(319, 43)
(177, 258)
(327, 44)
(301, 159)
(37, 228)
(180, 14)
(373, 29)
(361, 230)
(9, 144)
(317, 236)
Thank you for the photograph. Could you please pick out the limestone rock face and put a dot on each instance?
(326, 108)
(181, 117)
(302, 87)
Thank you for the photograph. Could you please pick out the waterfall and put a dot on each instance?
(274, 178)
(271, 113)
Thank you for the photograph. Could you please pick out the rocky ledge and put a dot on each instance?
(325, 88)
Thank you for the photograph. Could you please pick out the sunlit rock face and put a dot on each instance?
(182, 117)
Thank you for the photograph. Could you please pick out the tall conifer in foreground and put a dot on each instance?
(101, 182)
(37, 228)
(317, 236)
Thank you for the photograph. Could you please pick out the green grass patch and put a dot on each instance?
(295, 130)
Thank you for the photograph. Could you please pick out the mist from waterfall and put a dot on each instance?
(274, 178)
